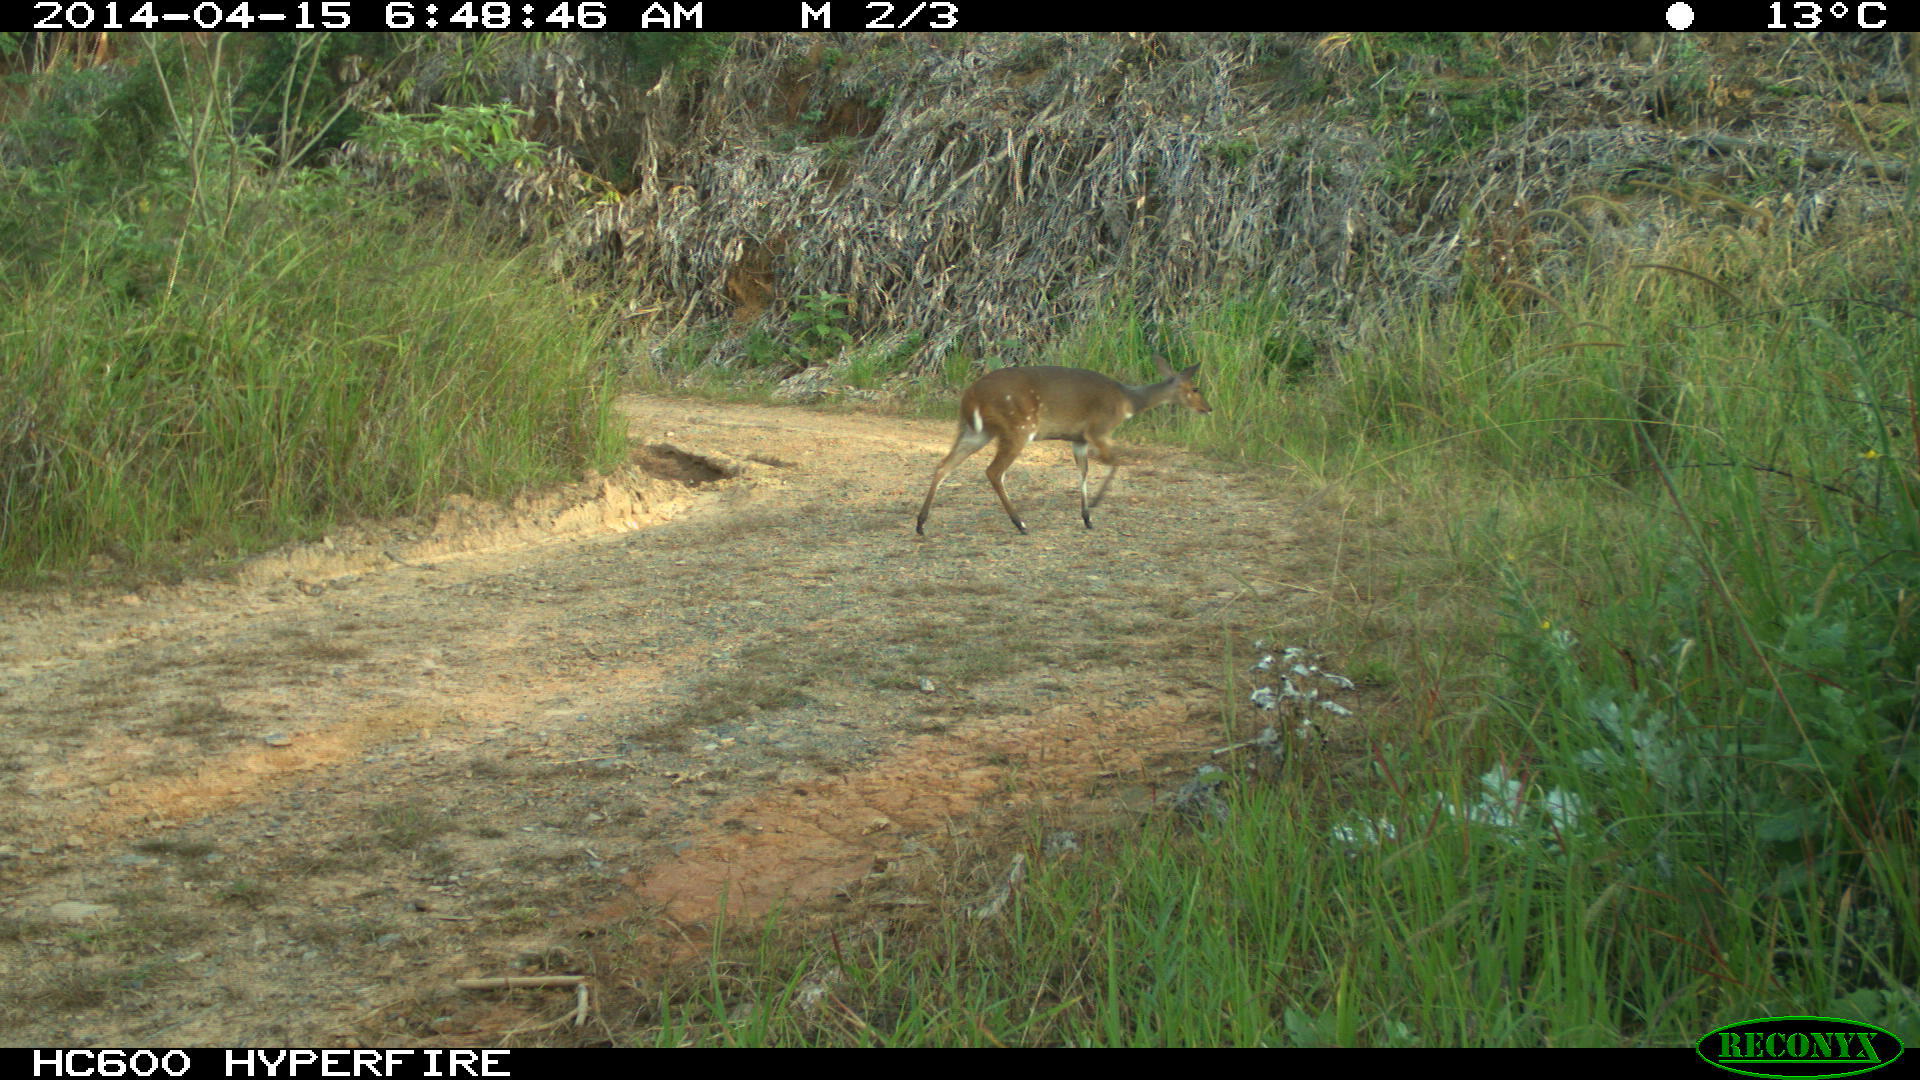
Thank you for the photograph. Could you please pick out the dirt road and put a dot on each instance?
(291, 807)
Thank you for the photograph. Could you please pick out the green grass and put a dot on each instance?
(1637, 555)
(1630, 561)
(1266, 931)
(303, 372)
(200, 357)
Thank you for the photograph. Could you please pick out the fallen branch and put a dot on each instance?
(517, 982)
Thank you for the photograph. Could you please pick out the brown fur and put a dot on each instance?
(1018, 405)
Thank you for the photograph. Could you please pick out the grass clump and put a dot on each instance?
(202, 357)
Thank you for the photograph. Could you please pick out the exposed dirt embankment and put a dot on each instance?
(290, 808)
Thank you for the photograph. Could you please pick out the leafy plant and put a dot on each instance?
(819, 316)
(1235, 152)
(486, 135)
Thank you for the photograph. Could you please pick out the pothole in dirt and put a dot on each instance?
(693, 467)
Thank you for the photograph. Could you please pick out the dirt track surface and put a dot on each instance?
(290, 808)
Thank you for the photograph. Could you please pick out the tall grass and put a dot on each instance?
(203, 360)
(1267, 931)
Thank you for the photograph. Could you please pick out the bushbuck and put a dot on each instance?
(1017, 405)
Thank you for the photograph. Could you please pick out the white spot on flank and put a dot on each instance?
(978, 423)
(1031, 434)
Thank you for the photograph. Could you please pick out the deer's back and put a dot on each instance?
(1056, 402)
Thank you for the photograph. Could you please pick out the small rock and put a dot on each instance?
(1199, 798)
(277, 739)
(76, 911)
(926, 685)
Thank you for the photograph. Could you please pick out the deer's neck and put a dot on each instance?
(1146, 397)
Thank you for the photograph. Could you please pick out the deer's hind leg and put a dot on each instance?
(1011, 443)
(1103, 453)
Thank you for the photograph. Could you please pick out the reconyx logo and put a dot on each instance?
(1799, 1047)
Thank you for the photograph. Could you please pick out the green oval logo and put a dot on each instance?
(1799, 1047)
